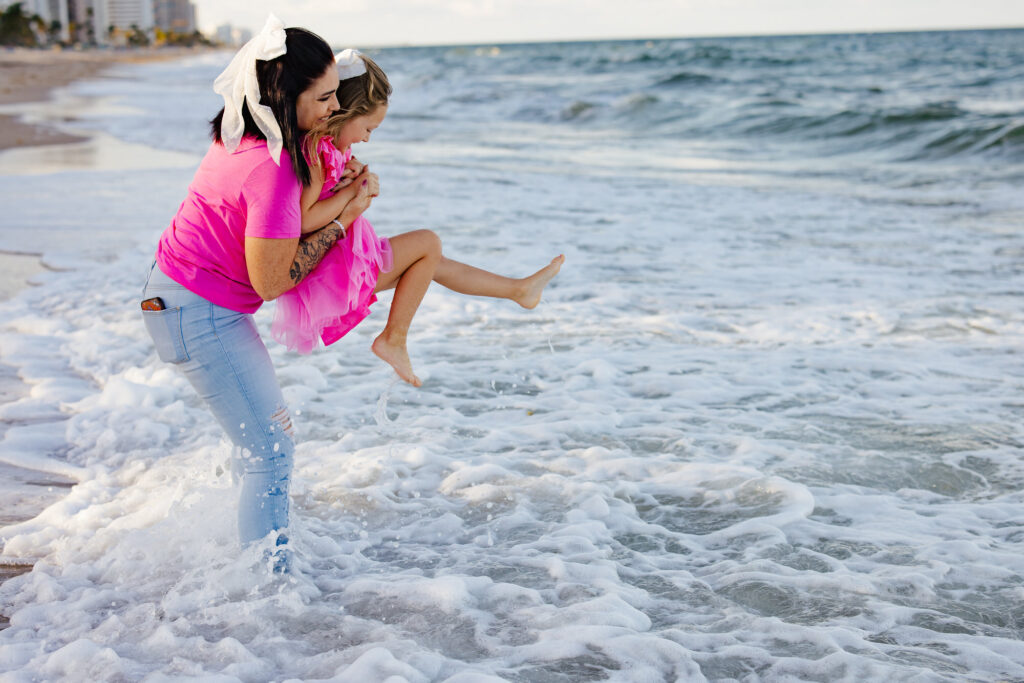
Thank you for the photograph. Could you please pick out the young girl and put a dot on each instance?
(336, 296)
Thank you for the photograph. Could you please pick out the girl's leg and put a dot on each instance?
(417, 262)
(466, 279)
(459, 277)
(415, 255)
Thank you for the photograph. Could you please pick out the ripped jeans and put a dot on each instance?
(222, 355)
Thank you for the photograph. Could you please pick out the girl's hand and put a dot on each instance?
(346, 179)
(361, 202)
(353, 168)
(355, 165)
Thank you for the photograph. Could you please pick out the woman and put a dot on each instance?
(236, 242)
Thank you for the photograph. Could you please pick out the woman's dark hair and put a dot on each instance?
(281, 81)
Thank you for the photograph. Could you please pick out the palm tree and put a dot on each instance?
(53, 31)
(16, 27)
(137, 37)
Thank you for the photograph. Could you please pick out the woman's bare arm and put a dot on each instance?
(320, 212)
(277, 265)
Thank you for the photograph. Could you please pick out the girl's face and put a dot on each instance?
(359, 129)
(316, 103)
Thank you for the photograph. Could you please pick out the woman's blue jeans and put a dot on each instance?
(222, 355)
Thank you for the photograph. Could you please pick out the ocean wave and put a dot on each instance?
(578, 109)
(687, 78)
(927, 131)
(892, 96)
(936, 111)
(849, 122)
(994, 138)
(638, 102)
(714, 54)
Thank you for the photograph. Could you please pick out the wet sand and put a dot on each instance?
(29, 76)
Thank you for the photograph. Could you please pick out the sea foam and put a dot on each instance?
(764, 424)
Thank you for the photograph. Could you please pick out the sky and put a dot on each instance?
(364, 23)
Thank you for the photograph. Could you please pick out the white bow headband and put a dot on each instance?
(238, 83)
(350, 64)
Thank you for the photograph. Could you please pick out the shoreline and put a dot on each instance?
(28, 76)
(18, 268)
(31, 75)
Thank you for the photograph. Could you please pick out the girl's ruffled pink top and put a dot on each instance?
(336, 296)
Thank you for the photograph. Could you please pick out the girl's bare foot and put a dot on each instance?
(397, 356)
(534, 285)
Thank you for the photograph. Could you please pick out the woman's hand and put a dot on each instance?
(372, 182)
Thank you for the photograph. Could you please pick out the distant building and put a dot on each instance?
(80, 21)
(223, 34)
(177, 16)
(107, 21)
(57, 10)
(231, 35)
(114, 18)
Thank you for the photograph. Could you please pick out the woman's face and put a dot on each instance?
(359, 129)
(317, 102)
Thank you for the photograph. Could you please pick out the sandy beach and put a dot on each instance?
(31, 75)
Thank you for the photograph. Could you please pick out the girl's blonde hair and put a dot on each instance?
(357, 96)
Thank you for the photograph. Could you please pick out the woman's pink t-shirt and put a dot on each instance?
(233, 195)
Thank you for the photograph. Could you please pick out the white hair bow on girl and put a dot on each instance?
(350, 64)
(238, 83)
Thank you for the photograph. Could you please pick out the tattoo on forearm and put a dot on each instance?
(312, 249)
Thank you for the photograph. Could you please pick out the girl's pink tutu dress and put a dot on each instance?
(337, 295)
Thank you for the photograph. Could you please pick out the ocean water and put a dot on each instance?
(764, 426)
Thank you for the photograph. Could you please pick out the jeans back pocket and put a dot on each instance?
(165, 329)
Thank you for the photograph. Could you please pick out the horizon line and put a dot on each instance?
(793, 34)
